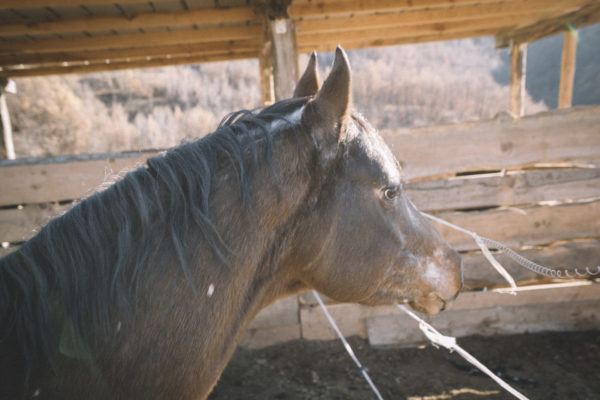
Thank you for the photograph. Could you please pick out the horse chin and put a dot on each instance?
(430, 304)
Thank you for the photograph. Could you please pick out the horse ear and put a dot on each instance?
(332, 103)
(309, 82)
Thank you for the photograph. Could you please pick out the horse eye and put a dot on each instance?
(391, 192)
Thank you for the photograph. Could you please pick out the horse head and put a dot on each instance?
(363, 240)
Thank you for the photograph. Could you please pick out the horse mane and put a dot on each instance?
(85, 266)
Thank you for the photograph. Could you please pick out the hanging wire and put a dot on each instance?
(450, 343)
(362, 369)
(484, 243)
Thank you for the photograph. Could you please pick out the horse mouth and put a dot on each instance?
(431, 304)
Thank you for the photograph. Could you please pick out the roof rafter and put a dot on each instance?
(586, 15)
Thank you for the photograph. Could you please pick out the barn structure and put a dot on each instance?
(532, 182)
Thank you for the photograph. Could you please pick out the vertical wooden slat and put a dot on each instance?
(285, 57)
(567, 70)
(265, 65)
(6, 125)
(518, 64)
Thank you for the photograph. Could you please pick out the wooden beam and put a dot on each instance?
(266, 65)
(586, 15)
(202, 35)
(567, 69)
(282, 34)
(113, 66)
(308, 45)
(467, 27)
(538, 9)
(304, 9)
(315, 22)
(518, 68)
(99, 23)
(131, 53)
(18, 4)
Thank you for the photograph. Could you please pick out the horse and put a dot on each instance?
(143, 290)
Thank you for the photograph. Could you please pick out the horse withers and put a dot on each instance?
(143, 290)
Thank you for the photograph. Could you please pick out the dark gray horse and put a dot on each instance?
(144, 289)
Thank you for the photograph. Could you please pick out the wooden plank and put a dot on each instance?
(313, 22)
(520, 187)
(201, 35)
(310, 44)
(132, 53)
(537, 8)
(567, 70)
(528, 226)
(17, 4)
(302, 9)
(518, 66)
(118, 65)
(401, 330)
(61, 178)
(19, 224)
(352, 318)
(414, 31)
(96, 23)
(505, 188)
(583, 16)
(554, 136)
(478, 273)
(547, 137)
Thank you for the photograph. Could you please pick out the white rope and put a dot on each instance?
(450, 343)
(362, 369)
(484, 249)
(484, 244)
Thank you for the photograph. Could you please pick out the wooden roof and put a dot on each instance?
(41, 37)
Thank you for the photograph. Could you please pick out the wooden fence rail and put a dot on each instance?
(532, 183)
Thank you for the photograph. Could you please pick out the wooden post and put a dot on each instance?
(278, 58)
(266, 66)
(518, 66)
(6, 125)
(567, 70)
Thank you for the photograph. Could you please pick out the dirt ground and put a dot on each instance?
(551, 365)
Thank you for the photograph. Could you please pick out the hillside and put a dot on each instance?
(157, 108)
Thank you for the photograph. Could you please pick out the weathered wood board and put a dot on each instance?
(352, 318)
(508, 189)
(19, 224)
(554, 136)
(478, 273)
(527, 226)
(61, 178)
(499, 320)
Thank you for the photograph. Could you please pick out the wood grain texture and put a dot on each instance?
(61, 178)
(553, 136)
(527, 226)
(505, 189)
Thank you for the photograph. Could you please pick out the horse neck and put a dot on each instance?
(257, 234)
